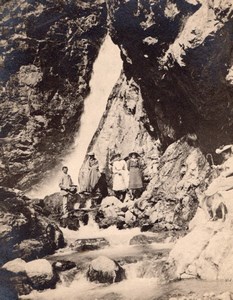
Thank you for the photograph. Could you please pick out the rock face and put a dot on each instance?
(105, 270)
(174, 52)
(206, 252)
(47, 52)
(124, 127)
(25, 233)
(171, 198)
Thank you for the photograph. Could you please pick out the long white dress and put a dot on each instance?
(120, 175)
(224, 181)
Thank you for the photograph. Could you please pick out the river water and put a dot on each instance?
(137, 260)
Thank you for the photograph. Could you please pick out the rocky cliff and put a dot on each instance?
(47, 52)
(174, 51)
(124, 127)
(173, 103)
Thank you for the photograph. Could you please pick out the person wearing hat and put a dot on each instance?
(120, 176)
(224, 182)
(93, 174)
(67, 188)
(135, 175)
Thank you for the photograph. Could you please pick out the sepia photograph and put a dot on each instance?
(116, 149)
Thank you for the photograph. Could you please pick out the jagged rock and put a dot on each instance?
(171, 198)
(48, 50)
(25, 233)
(111, 207)
(130, 218)
(89, 244)
(124, 125)
(105, 270)
(170, 51)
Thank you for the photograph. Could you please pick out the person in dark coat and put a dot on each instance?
(135, 175)
(93, 175)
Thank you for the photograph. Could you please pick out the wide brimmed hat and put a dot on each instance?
(133, 152)
(115, 156)
(91, 153)
(223, 148)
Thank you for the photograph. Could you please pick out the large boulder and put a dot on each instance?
(104, 270)
(37, 274)
(24, 231)
(205, 252)
(41, 274)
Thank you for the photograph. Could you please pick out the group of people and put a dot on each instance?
(126, 177)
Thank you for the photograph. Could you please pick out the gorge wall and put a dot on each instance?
(180, 54)
(47, 52)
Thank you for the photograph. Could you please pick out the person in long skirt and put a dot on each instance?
(93, 174)
(120, 176)
(135, 175)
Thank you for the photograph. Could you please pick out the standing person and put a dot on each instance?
(93, 175)
(224, 182)
(120, 176)
(66, 185)
(135, 175)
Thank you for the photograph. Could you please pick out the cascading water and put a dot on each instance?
(106, 71)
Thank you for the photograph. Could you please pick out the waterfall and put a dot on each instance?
(106, 71)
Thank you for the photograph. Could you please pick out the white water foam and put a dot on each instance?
(106, 71)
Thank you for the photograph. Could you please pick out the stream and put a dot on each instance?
(141, 282)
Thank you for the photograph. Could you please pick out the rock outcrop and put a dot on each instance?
(205, 252)
(47, 53)
(174, 51)
(124, 128)
(25, 232)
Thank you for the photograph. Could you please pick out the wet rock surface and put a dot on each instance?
(63, 265)
(25, 232)
(105, 270)
(89, 244)
(34, 275)
(47, 53)
(201, 255)
(174, 52)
